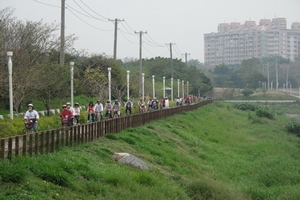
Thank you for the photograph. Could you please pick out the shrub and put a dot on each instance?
(245, 106)
(293, 127)
(247, 92)
(264, 112)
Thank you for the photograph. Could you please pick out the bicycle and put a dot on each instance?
(29, 126)
(116, 115)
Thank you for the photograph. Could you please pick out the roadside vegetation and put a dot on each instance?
(214, 152)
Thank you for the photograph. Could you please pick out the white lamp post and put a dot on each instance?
(109, 84)
(128, 84)
(164, 87)
(183, 88)
(187, 88)
(9, 64)
(171, 89)
(153, 76)
(143, 86)
(72, 76)
(178, 84)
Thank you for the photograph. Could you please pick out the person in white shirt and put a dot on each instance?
(99, 110)
(32, 115)
(76, 113)
(72, 110)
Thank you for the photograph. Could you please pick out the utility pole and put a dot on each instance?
(186, 54)
(62, 34)
(115, 37)
(140, 74)
(172, 75)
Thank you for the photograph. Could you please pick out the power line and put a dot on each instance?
(154, 41)
(93, 10)
(177, 51)
(126, 37)
(47, 4)
(87, 23)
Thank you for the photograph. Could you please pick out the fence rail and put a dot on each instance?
(34, 144)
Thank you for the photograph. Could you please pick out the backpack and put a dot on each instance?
(154, 103)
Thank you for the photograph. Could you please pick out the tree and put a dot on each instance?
(32, 44)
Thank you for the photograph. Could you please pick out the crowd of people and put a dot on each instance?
(71, 115)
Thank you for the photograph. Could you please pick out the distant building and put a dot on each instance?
(235, 42)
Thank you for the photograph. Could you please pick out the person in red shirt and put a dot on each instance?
(91, 112)
(66, 116)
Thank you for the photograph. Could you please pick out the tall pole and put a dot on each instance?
(276, 77)
(164, 87)
(183, 88)
(109, 84)
(9, 64)
(140, 74)
(72, 76)
(187, 88)
(143, 86)
(115, 36)
(172, 89)
(127, 83)
(186, 54)
(153, 86)
(62, 34)
(178, 85)
(172, 73)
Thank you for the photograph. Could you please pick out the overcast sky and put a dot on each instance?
(180, 22)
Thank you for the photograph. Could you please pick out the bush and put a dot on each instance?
(293, 127)
(247, 92)
(245, 106)
(264, 112)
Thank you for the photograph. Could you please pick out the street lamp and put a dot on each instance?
(178, 85)
(171, 89)
(109, 84)
(187, 88)
(128, 84)
(72, 76)
(9, 64)
(164, 87)
(143, 86)
(153, 89)
(183, 88)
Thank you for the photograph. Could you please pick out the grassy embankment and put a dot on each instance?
(214, 152)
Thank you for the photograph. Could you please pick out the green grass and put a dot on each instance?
(214, 152)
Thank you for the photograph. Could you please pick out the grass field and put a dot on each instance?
(214, 152)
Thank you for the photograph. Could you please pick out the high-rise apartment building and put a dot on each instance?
(235, 42)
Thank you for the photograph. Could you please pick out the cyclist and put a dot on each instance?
(128, 106)
(108, 108)
(32, 115)
(66, 116)
(71, 109)
(116, 107)
(142, 108)
(99, 110)
(91, 112)
(76, 112)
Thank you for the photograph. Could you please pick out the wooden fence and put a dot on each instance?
(48, 141)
